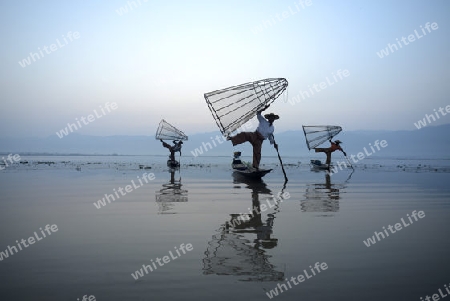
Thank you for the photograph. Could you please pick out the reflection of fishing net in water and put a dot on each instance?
(322, 197)
(318, 134)
(234, 106)
(172, 193)
(231, 253)
(169, 194)
(166, 131)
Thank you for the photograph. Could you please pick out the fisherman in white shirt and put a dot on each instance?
(264, 131)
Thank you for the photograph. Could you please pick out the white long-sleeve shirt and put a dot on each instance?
(264, 128)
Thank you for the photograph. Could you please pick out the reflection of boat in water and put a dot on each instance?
(322, 197)
(239, 246)
(171, 193)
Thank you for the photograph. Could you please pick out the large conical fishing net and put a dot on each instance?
(234, 106)
(318, 134)
(166, 131)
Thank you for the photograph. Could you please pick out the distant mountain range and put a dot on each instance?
(428, 142)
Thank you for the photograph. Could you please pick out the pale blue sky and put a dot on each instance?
(157, 61)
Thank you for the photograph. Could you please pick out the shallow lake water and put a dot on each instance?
(203, 233)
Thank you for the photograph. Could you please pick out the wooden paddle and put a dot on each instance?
(281, 162)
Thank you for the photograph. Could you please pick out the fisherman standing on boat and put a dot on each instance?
(176, 147)
(334, 147)
(263, 131)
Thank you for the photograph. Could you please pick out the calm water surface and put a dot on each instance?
(236, 253)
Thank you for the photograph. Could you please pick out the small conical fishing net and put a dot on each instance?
(318, 134)
(166, 131)
(234, 106)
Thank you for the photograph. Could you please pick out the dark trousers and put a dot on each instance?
(172, 153)
(256, 140)
(327, 151)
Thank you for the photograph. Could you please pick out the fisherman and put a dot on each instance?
(176, 147)
(263, 131)
(334, 147)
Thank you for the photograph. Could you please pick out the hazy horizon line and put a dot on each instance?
(214, 131)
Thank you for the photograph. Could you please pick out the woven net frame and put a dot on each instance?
(317, 134)
(232, 107)
(166, 131)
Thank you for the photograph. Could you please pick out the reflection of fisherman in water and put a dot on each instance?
(170, 193)
(253, 222)
(239, 247)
